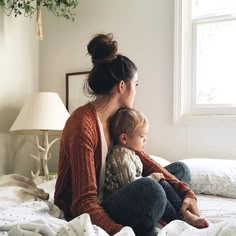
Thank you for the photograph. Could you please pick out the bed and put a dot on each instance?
(213, 180)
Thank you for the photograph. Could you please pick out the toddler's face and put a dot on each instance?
(138, 139)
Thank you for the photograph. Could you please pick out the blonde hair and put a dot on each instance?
(126, 120)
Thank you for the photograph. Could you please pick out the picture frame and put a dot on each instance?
(74, 90)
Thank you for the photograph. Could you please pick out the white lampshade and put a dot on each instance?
(42, 111)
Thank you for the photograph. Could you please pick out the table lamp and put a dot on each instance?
(42, 114)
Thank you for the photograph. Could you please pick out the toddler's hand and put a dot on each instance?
(157, 176)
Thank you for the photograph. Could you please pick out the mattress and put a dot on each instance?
(216, 208)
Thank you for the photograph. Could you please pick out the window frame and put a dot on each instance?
(184, 67)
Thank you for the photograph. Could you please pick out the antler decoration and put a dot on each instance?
(42, 157)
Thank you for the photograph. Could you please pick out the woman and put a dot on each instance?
(85, 143)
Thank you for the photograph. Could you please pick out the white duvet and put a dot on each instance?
(22, 213)
(35, 217)
(220, 213)
(180, 228)
(38, 217)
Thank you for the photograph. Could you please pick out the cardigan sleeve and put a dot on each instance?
(150, 166)
(80, 143)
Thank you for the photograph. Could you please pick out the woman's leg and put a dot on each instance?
(173, 204)
(180, 170)
(139, 205)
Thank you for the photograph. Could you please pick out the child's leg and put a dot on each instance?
(174, 202)
(139, 205)
(169, 213)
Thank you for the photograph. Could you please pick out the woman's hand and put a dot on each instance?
(191, 205)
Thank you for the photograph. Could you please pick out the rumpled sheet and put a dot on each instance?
(180, 228)
(25, 212)
(38, 217)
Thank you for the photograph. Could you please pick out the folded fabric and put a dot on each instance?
(16, 189)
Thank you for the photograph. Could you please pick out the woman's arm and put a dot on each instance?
(189, 197)
(150, 166)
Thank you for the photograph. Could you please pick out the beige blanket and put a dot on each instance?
(16, 189)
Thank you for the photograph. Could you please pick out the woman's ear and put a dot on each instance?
(123, 138)
(121, 86)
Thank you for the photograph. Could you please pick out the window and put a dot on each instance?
(205, 58)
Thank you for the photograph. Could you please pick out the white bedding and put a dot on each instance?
(220, 212)
(216, 208)
(38, 217)
(180, 228)
(24, 214)
(214, 181)
(29, 215)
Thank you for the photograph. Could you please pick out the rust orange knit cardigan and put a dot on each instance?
(79, 167)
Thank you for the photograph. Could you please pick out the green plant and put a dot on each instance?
(61, 8)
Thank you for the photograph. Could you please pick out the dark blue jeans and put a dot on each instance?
(180, 170)
(142, 203)
(173, 203)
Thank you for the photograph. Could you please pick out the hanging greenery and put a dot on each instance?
(61, 8)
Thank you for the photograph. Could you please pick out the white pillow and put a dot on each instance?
(160, 160)
(213, 176)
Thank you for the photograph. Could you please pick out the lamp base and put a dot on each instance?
(42, 179)
(42, 157)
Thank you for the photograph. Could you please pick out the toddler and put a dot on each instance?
(128, 129)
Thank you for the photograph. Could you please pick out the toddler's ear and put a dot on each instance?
(123, 138)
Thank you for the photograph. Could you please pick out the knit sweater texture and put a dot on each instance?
(79, 168)
(123, 166)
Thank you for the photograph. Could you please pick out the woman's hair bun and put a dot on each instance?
(102, 48)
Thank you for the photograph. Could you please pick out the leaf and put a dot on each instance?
(61, 8)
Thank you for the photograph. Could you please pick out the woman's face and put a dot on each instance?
(130, 92)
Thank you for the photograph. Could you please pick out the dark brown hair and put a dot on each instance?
(109, 67)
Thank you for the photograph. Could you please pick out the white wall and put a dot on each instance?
(19, 77)
(144, 30)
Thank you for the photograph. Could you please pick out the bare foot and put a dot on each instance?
(195, 221)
